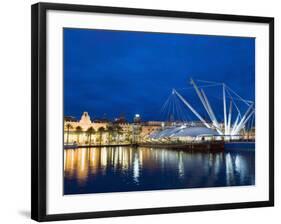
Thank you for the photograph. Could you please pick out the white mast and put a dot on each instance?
(235, 124)
(224, 109)
(229, 128)
(200, 97)
(242, 121)
(191, 108)
(229, 118)
(204, 100)
(213, 118)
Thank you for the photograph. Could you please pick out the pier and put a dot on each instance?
(192, 146)
(207, 146)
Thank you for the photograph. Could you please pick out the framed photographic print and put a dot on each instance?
(138, 111)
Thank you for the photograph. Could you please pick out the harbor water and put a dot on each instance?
(122, 169)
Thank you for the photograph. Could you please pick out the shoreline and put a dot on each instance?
(212, 145)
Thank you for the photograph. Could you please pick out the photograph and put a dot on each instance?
(147, 111)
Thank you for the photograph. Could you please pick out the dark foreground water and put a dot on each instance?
(117, 169)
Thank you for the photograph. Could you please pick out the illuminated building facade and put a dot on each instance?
(105, 132)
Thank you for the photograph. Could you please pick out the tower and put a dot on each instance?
(137, 119)
(85, 120)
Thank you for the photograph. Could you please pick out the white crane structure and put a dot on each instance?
(231, 126)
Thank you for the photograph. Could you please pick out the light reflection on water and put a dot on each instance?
(116, 169)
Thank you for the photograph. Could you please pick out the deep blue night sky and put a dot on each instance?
(109, 73)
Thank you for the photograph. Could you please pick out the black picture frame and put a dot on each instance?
(38, 108)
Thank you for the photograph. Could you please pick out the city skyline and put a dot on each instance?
(113, 73)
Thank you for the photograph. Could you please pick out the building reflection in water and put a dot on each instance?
(109, 169)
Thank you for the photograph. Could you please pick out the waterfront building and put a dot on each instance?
(105, 132)
(185, 134)
(119, 132)
(84, 130)
(84, 122)
(147, 128)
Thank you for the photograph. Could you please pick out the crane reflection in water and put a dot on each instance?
(119, 169)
